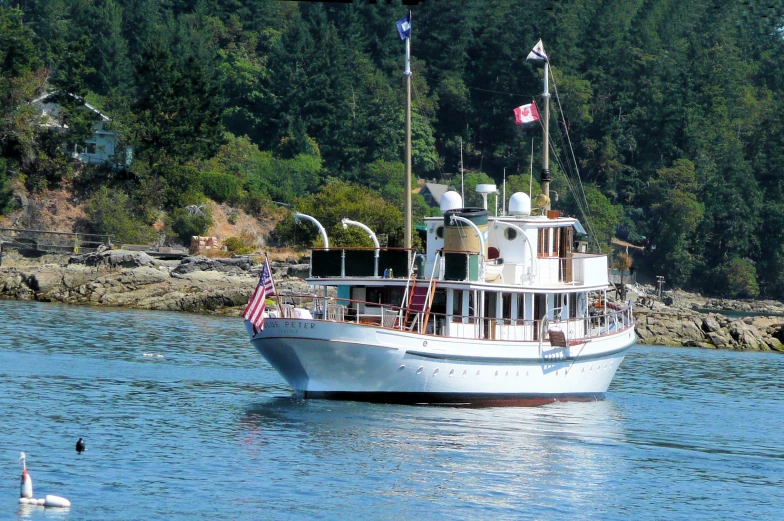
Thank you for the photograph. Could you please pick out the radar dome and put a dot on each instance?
(451, 200)
(520, 204)
(485, 189)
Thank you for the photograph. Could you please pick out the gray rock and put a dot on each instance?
(710, 325)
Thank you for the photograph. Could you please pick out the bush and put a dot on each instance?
(181, 186)
(190, 221)
(110, 212)
(242, 245)
(220, 187)
(736, 278)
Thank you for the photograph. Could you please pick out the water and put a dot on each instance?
(210, 431)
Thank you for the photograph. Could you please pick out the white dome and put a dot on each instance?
(520, 204)
(451, 200)
(485, 189)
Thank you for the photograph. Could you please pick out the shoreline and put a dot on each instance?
(222, 286)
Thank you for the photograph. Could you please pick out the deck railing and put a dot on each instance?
(52, 242)
(599, 321)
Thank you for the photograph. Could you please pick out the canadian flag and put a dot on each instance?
(526, 114)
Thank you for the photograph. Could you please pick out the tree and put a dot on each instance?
(676, 214)
(111, 212)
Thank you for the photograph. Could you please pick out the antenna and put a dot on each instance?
(462, 188)
(503, 197)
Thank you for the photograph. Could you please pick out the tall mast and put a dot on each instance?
(545, 180)
(407, 73)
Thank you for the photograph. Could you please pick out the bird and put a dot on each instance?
(80, 446)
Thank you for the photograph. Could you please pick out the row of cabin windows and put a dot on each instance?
(555, 242)
(394, 295)
(539, 302)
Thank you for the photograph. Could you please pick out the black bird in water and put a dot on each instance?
(80, 446)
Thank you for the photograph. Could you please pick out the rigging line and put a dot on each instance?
(587, 219)
(571, 148)
(571, 188)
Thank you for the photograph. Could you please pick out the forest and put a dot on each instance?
(674, 111)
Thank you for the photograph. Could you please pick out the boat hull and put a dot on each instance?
(343, 361)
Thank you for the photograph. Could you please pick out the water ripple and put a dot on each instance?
(208, 429)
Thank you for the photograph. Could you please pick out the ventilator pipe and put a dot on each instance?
(372, 235)
(525, 238)
(452, 219)
(298, 216)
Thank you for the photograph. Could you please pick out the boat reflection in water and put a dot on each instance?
(492, 456)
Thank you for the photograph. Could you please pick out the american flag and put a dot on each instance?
(254, 311)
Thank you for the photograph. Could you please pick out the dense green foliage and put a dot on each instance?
(675, 110)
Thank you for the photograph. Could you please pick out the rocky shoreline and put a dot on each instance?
(223, 286)
(136, 280)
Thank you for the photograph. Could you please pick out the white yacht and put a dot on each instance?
(499, 310)
(505, 309)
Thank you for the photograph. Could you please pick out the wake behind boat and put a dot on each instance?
(505, 309)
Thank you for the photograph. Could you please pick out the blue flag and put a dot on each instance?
(404, 27)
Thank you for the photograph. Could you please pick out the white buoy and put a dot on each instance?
(26, 485)
(56, 501)
(26, 492)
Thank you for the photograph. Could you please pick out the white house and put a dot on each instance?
(99, 148)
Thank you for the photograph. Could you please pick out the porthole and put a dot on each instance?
(440, 232)
(510, 234)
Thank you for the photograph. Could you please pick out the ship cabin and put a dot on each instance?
(516, 277)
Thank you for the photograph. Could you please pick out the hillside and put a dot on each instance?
(674, 113)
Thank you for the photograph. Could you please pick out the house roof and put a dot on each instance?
(436, 190)
(51, 110)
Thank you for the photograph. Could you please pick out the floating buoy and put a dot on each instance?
(80, 446)
(26, 486)
(26, 492)
(56, 501)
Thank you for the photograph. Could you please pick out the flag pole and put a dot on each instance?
(407, 73)
(272, 279)
(545, 179)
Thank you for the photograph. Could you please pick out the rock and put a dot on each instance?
(301, 271)
(234, 265)
(710, 325)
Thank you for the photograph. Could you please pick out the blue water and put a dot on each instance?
(209, 431)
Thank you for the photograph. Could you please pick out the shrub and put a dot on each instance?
(736, 278)
(110, 212)
(190, 221)
(242, 245)
(220, 187)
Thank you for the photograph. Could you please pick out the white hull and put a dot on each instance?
(322, 359)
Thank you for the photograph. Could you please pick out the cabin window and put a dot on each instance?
(521, 306)
(440, 232)
(506, 305)
(373, 295)
(573, 307)
(510, 234)
(544, 242)
(558, 302)
(91, 148)
(556, 241)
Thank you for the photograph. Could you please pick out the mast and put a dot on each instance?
(545, 179)
(407, 74)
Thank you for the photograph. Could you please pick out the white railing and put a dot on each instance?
(577, 330)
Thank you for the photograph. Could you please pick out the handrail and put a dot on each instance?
(579, 329)
(522, 234)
